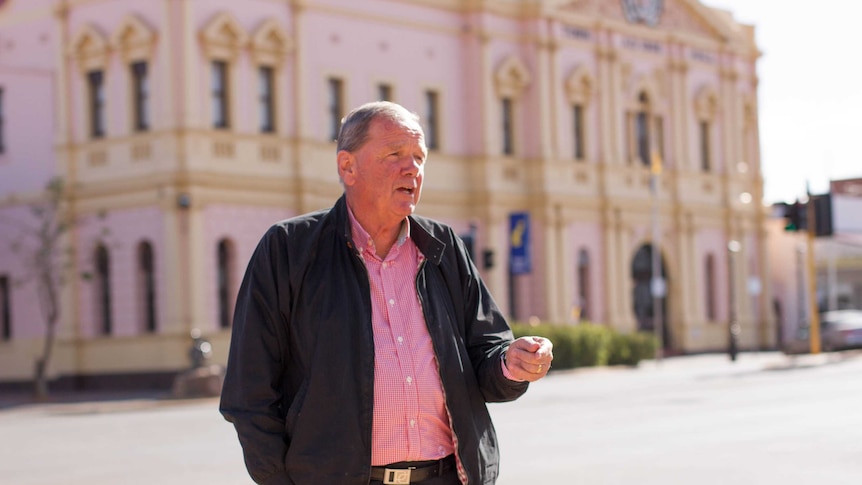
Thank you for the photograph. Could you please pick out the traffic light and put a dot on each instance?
(797, 217)
(822, 214)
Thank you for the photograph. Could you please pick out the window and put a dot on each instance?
(508, 129)
(96, 85)
(584, 284)
(709, 280)
(266, 98)
(141, 93)
(384, 92)
(103, 290)
(642, 134)
(5, 310)
(220, 111)
(578, 131)
(2, 109)
(432, 115)
(147, 286)
(705, 162)
(336, 103)
(225, 296)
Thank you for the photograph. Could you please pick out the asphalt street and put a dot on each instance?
(764, 419)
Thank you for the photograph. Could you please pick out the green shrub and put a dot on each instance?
(586, 344)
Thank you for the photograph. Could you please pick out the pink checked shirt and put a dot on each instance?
(411, 422)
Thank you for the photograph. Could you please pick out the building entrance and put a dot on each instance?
(642, 298)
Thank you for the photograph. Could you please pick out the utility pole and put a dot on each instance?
(813, 311)
(657, 283)
(733, 329)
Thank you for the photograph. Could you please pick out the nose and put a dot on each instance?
(411, 166)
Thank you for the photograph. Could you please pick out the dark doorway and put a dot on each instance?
(642, 299)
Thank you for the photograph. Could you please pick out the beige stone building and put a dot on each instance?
(570, 141)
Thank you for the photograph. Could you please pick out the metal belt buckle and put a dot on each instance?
(394, 476)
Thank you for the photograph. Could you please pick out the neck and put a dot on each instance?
(384, 235)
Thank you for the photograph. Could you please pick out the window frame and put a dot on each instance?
(220, 94)
(385, 92)
(578, 132)
(147, 287)
(335, 92)
(705, 144)
(2, 120)
(5, 308)
(432, 119)
(96, 102)
(507, 116)
(224, 280)
(140, 76)
(104, 298)
(266, 99)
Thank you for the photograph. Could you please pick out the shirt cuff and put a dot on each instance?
(506, 373)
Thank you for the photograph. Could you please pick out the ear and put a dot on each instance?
(346, 167)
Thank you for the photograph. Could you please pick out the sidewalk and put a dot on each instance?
(714, 363)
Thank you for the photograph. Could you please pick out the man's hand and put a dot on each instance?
(529, 358)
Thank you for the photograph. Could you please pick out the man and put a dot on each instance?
(365, 345)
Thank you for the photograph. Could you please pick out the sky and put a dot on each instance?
(810, 91)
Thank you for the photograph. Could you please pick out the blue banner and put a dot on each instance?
(519, 243)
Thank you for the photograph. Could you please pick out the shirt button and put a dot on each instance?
(409, 380)
(391, 301)
(412, 423)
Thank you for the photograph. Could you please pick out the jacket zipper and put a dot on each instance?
(439, 369)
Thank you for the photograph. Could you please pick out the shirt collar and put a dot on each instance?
(363, 240)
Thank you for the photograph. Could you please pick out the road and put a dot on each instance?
(699, 419)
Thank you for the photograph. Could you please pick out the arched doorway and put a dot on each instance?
(642, 298)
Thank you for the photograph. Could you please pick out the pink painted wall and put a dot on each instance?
(243, 226)
(28, 81)
(121, 232)
(589, 237)
(16, 256)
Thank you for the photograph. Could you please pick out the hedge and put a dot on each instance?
(587, 345)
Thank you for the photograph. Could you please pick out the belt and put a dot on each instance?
(403, 473)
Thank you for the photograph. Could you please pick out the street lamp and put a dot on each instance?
(732, 324)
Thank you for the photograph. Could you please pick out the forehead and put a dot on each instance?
(396, 131)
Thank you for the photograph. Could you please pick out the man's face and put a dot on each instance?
(383, 179)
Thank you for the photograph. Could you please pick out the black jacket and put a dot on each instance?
(300, 375)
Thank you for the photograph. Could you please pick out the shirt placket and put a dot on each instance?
(400, 335)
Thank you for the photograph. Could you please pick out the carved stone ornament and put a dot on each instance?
(643, 11)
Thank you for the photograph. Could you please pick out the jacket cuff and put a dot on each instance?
(506, 373)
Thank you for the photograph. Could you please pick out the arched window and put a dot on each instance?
(225, 277)
(709, 284)
(584, 284)
(103, 289)
(512, 79)
(147, 287)
(644, 129)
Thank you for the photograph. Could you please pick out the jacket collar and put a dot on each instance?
(431, 247)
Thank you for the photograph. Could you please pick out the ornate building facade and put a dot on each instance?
(600, 156)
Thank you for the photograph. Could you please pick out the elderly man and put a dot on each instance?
(365, 345)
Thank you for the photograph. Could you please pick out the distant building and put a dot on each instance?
(186, 128)
(837, 265)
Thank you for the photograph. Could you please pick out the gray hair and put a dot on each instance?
(354, 127)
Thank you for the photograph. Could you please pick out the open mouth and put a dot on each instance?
(407, 190)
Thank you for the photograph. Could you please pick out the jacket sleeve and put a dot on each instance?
(487, 334)
(252, 396)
